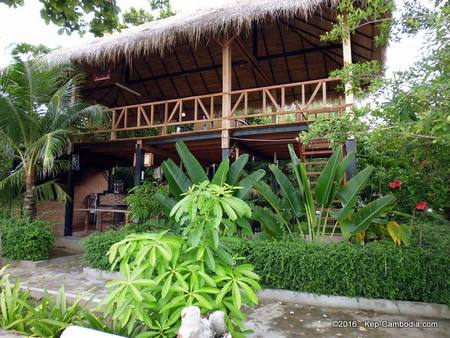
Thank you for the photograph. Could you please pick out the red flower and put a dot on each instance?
(421, 206)
(395, 184)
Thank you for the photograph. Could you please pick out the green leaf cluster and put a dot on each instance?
(142, 204)
(23, 239)
(163, 274)
(47, 317)
(377, 270)
(227, 175)
(311, 209)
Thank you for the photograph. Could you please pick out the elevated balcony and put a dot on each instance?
(293, 103)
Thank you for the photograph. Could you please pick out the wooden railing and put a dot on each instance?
(287, 103)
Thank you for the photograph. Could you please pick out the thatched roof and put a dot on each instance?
(234, 16)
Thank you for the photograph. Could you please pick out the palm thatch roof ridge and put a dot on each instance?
(233, 16)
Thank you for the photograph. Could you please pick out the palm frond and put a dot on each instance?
(50, 191)
(49, 147)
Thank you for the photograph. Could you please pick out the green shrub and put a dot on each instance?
(97, 245)
(142, 203)
(23, 239)
(377, 270)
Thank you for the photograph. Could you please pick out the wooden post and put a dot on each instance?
(226, 98)
(139, 164)
(347, 53)
(68, 213)
(113, 125)
(350, 144)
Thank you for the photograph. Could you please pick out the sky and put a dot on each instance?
(24, 24)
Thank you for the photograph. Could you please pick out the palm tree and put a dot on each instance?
(39, 113)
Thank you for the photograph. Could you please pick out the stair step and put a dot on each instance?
(320, 140)
(314, 163)
(318, 152)
(318, 146)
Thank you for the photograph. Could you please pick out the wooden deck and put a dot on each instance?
(262, 142)
(261, 122)
(293, 102)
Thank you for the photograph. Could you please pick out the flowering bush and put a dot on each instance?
(395, 184)
(421, 206)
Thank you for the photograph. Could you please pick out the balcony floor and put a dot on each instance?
(260, 141)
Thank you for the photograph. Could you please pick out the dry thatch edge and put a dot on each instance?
(233, 17)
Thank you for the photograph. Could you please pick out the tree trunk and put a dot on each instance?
(30, 198)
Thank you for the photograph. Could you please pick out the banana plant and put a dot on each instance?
(179, 182)
(298, 201)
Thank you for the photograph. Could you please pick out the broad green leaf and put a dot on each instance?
(269, 221)
(236, 294)
(348, 194)
(236, 170)
(249, 292)
(326, 180)
(178, 181)
(166, 286)
(364, 216)
(248, 182)
(295, 166)
(221, 174)
(288, 190)
(193, 168)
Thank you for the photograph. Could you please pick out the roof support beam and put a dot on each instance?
(252, 152)
(235, 63)
(251, 60)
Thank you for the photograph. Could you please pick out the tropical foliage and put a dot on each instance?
(227, 174)
(408, 113)
(23, 239)
(97, 17)
(39, 112)
(165, 273)
(311, 210)
(142, 204)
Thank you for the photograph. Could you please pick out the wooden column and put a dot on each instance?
(139, 164)
(347, 53)
(350, 144)
(226, 98)
(68, 212)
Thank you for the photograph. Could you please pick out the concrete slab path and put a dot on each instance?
(271, 319)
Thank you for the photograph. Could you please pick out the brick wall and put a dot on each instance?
(113, 199)
(93, 182)
(52, 212)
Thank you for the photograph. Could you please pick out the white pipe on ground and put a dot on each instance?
(78, 332)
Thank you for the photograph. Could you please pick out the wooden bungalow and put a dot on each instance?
(247, 76)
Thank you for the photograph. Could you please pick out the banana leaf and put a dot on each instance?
(193, 167)
(288, 190)
(364, 216)
(348, 194)
(178, 181)
(221, 173)
(248, 182)
(326, 180)
(236, 170)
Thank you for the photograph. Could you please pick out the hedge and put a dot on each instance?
(377, 270)
(23, 239)
(97, 245)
